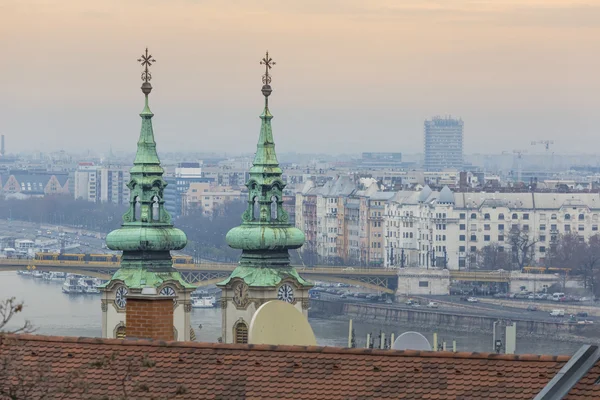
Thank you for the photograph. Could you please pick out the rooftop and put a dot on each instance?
(188, 370)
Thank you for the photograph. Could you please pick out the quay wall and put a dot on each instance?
(570, 308)
(447, 321)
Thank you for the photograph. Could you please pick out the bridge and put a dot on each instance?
(381, 279)
(204, 274)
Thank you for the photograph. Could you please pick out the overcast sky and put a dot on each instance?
(351, 75)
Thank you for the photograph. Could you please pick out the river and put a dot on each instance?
(54, 313)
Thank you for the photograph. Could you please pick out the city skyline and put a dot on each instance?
(362, 77)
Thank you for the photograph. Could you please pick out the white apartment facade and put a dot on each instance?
(448, 229)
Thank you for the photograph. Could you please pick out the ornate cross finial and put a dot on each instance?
(146, 62)
(268, 63)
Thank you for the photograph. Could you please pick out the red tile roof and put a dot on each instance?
(587, 387)
(91, 368)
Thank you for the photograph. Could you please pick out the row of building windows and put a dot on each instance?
(567, 217)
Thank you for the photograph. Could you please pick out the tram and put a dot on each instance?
(100, 258)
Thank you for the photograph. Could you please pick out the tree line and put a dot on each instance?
(570, 252)
(206, 234)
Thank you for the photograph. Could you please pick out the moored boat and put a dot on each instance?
(72, 286)
(204, 302)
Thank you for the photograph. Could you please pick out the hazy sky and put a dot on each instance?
(351, 75)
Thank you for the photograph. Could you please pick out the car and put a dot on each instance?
(530, 297)
(388, 301)
(348, 269)
(472, 300)
(410, 302)
(557, 313)
(532, 308)
(582, 314)
(464, 298)
(432, 304)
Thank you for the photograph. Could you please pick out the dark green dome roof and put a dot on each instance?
(133, 238)
(265, 237)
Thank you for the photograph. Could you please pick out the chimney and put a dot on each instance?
(2, 147)
(149, 315)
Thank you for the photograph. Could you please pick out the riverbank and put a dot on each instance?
(452, 322)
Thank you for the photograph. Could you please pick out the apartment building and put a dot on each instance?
(209, 197)
(101, 184)
(445, 229)
(335, 220)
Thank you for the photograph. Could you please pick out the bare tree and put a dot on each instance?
(589, 266)
(493, 257)
(522, 246)
(568, 251)
(8, 309)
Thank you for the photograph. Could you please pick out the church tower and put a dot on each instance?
(265, 236)
(146, 239)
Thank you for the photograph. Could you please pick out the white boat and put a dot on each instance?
(38, 274)
(89, 285)
(204, 302)
(72, 286)
(24, 273)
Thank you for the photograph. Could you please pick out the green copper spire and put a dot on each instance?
(147, 235)
(265, 235)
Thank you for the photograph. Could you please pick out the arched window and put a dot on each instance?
(255, 209)
(486, 216)
(501, 217)
(515, 216)
(567, 217)
(155, 209)
(581, 217)
(120, 333)
(137, 209)
(241, 333)
(473, 216)
(273, 208)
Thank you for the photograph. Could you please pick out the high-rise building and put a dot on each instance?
(101, 184)
(443, 143)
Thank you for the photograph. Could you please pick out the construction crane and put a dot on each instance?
(519, 156)
(546, 144)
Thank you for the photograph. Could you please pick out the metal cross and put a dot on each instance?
(146, 62)
(268, 63)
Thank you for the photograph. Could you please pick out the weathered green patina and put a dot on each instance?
(147, 235)
(265, 235)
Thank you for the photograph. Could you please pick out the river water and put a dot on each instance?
(55, 313)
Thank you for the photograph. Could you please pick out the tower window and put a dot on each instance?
(273, 208)
(155, 209)
(120, 334)
(137, 210)
(255, 209)
(241, 333)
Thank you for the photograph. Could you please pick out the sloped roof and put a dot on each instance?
(446, 196)
(587, 387)
(425, 193)
(539, 201)
(188, 370)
